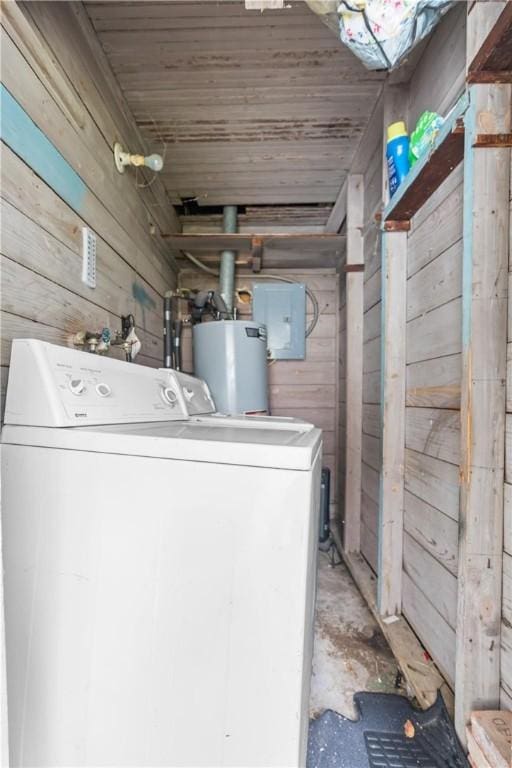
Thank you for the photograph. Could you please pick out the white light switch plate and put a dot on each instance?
(88, 257)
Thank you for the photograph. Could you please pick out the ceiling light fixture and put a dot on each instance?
(123, 158)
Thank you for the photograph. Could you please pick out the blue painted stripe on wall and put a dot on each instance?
(23, 136)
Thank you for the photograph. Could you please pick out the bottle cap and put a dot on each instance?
(396, 129)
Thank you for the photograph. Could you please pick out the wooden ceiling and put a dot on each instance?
(249, 108)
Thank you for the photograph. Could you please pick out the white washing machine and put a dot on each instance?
(159, 572)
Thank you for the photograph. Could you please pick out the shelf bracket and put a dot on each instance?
(493, 140)
(397, 226)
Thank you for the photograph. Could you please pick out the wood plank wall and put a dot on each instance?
(432, 451)
(433, 364)
(55, 72)
(506, 626)
(306, 389)
(433, 370)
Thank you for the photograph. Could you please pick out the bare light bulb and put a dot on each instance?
(155, 162)
(123, 159)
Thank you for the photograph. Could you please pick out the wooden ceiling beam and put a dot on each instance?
(244, 242)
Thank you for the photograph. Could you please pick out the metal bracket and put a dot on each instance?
(397, 226)
(493, 140)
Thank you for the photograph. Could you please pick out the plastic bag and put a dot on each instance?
(423, 136)
(381, 32)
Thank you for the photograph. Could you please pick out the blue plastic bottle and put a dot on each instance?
(397, 153)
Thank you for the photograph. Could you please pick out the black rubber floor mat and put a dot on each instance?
(390, 733)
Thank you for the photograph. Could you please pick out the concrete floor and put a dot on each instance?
(351, 653)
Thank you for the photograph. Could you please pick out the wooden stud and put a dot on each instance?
(393, 309)
(256, 253)
(394, 280)
(354, 364)
(484, 337)
(338, 212)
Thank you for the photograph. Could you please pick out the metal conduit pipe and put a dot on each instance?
(227, 261)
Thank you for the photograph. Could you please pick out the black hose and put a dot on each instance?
(168, 346)
(178, 362)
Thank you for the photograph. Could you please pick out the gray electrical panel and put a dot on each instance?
(281, 307)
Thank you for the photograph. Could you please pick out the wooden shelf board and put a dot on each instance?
(493, 62)
(319, 242)
(429, 172)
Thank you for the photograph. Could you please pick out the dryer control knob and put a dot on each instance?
(77, 386)
(103, 390)
(169, 396)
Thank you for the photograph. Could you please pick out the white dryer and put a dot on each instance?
(159, 572)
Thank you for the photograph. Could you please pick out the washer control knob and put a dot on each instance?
(103, 390)
(77, 386)
(169, 396)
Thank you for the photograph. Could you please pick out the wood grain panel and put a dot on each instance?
(437, 283)
(507, 532)
(437, 583)
(434, 632)
(369, 546)
(372, 323)
(435, 334)
(372, 289)
(119, 288)
(292, 372)
(372, 420)
(296, 395)
(433, 531)
(372, 451)
(370, 482)
(371, 356)
(434, 481)
(371, 387)
(434, 432)
(438, 224)
(434, 383)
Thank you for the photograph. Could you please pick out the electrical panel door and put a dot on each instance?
(282, 308)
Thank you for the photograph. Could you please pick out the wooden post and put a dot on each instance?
(394, 283)
(484, 332)
(354, 364)
(394, 286)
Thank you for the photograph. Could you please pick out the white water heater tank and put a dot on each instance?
(231, 356)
